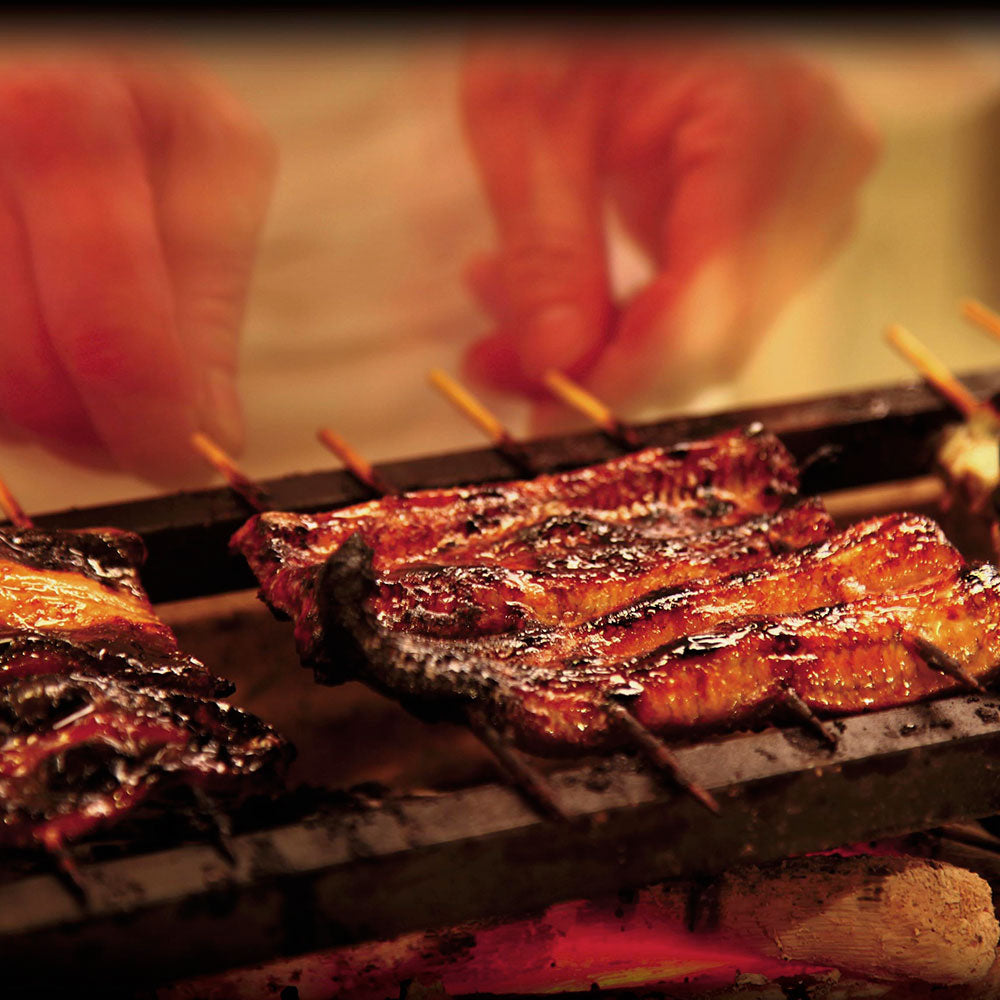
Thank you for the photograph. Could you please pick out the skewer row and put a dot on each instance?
(532, 783)
(654, 750)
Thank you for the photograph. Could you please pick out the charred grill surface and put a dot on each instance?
(696, 486)
(559, 584)
(98, 706)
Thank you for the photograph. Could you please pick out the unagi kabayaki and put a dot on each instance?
(851, 656)
(665, 491)
(79, 752)
(528, 607)
(878, 555)
(555, 584)
(98, 706)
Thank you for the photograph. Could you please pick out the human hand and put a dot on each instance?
(734, 167)
(132, 193)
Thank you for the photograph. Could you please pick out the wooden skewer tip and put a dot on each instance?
(531, 782)
(797, 704)
(971, 837)
(584, 402)
(944, 663)
(237, 480)
(69, 871)
(218, 822)
(470, 407)
(356, 464)
(981, 315)
(936, 372)
(14, 511)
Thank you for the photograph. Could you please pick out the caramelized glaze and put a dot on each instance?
(573, 584)
(691, 487)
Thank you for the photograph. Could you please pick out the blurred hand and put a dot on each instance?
(735, 168)
(132, 193)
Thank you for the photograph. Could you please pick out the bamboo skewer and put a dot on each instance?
(980, 314)
(937, 373)
(658, 753)
(356, 464)
(944, 663)
(14, 511)
(236, 479)
(796, 703)
(576, 397)
(467, 404)
(531, 782)
(473, 409)
(219, 827)
(970, 836)
(67, 869)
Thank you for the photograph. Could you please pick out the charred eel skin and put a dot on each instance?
(670, 491)
(99, 707)
(844, 657)
(80, 752)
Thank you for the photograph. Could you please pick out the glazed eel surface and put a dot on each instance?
(571, 585)
(98, 706)
(663, 492)
(874, 556)
(698, 618)
(841, 656)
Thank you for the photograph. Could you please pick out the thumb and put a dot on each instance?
(531, 118)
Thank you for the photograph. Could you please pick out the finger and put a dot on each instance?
(837, 149)
(212, 198)
(74, 165)
(494, 361)
(759, 193)
(698, 134)
(484, 279)
(35, 394)
(532, 119)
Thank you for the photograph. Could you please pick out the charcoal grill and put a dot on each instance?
(370, 867)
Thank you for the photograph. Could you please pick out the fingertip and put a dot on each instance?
(559, 337)
(220, 412)
(494, 362)
(515, 360)
(152, 440)
(482, 277)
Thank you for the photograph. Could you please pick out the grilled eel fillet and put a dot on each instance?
(844, 656)
(690, 487)
(569, 586)
(80, 752)
(892, 552)
(98, 707)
